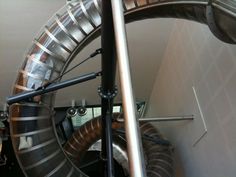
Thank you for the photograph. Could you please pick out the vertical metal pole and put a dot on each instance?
(108, 85)
(135, 151)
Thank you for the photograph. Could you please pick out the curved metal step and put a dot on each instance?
(62, 39)
(44, 157)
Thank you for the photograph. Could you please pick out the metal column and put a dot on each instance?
(135, 152)
(107, 90)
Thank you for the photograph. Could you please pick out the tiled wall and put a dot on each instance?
(195, 58)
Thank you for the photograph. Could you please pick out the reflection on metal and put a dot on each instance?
(64, 29)
(97, 7)
(44, 49)
(56, 40)
(57, 168)
(37, 146)
(224, 17)
(162, 119)
(33, 132)
(43, 160)
(71, 172)
(119, 151)
(40, 63)
(36, 77)
(30, 118)
(71, 2)
(76, 22)
(86, 14)
(136, 158)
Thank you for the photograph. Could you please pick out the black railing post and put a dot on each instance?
(107, 90)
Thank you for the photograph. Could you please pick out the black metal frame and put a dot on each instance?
(108, 89)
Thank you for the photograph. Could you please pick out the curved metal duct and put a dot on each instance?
(158, 158)
(72, 28)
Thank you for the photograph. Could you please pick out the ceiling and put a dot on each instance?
(21, 20)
